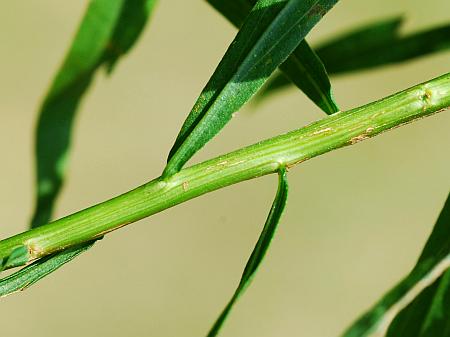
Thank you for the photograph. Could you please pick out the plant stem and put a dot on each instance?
(332, 132)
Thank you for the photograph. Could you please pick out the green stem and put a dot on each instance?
(332, 132)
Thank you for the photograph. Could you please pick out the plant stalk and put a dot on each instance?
(330, 133)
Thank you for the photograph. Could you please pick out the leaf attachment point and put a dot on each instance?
(29, 275)
(270, 33)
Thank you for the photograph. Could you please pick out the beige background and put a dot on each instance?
(355, 222)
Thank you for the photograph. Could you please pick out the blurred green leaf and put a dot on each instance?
(260, 249)
(376, 45)
(28, 275)
(381, 44)
(422, 298)
(303, 67)
(108, 30)
(270, 33)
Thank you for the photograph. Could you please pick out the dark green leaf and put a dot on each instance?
(373, 46)
(108, 30)
(29, 275)
(429, 314)
(270, 33)
(303, 67)
(424, 294)
(260, 249)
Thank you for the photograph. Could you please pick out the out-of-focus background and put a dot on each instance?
(356, 219)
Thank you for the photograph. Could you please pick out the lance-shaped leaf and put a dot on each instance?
(423, 295)
(29, 275)
(372, 46)
(108, 30)
(260, 249)
(303, 67)
(270, 33)
(380, 45)
(429, 314)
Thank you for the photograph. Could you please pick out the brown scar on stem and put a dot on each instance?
(34, 250)
(185, 186)
(363, 136)
(358, 138)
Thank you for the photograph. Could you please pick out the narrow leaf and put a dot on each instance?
(303, 67)
(29, 275)
(379, 45)
(108, 30)
(372, 46)
(427, 285)
(429, 314)
(260, 249)
(270, 33)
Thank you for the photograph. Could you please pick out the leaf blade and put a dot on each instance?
(428, 314)
(18, 257)
(306, 70)
(303, 67)
(29, 275)
(383, 45)
(372, 46)
(433, 263)
(271, 31)
(102, 38)
(259, 251)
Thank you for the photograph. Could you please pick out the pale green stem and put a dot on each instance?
(332, 132)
